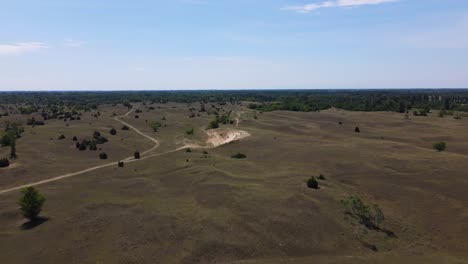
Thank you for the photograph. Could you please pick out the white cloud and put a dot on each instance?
(21, 48)
(73, 43)
(335, 3)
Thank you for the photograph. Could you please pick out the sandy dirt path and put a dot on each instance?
(216, 139)
(68, 175)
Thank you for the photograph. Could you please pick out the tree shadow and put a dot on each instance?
(34, 223)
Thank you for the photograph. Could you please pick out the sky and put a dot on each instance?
(232, 44)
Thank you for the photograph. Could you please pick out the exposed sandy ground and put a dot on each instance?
(218, 137)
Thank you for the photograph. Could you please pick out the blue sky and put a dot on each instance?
(232, 44)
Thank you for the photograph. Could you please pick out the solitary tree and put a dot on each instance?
(113, 132)
(357, 130)
(136, 155)
(31, 203)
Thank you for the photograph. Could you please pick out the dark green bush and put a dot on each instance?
(103, 155)
(113, 131)
(312, 183)
(136, 155)
(4, 163)
(239, 156)
(440, 146)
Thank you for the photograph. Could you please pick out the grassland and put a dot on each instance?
(196, 207)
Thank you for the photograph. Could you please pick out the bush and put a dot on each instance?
(113, 131)
(137, 155)
(312, 183)
(4, 163)
(31, 203)
(370, 216)
(188, 150)
(213, 124)
(190, 132)
(239, 156)
(103, 155)
(101, 140)
(357, 130)
(440, 146)
(75, 139)
(92, 145)
(121, 164)
(125, 127)
(61, 137)
(155, 126)
(321, 177)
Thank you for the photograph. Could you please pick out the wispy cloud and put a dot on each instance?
(335, 3)
(21, 48)
(73, 43)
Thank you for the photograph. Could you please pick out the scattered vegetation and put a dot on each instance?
(103, 155)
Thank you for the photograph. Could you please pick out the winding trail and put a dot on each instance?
(127, 160)
(68, 175)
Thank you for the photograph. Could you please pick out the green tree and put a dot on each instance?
(31, 203)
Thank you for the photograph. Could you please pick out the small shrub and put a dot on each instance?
(188, 150)
(312, 183)
(213, 124)
(440, 146)
(205, 152)
(103, 155)
(75, 139)
(31, 203)
(370, 216)
(101, 140)
(137, 155)
(121, 164)
(4, 163)
(125, 127)
(357, 130)
(113, 131)
(61, 137)
(321, 177)
(189, 132)
(92, 145)
(239, 156)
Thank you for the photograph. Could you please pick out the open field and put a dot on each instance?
(194, 207)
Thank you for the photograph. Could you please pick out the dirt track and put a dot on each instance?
(238, 134)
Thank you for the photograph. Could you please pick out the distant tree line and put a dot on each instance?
(67, 105)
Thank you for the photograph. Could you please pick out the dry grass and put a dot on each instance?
(214, 209)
